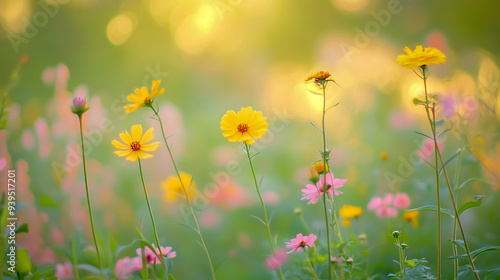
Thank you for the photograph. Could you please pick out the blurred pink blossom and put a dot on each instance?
(275, 262)
(382, 207)
(28, 139)
(42, 130)
(448, 104)
(271, 197)
(57, 237)
(3, 163)
(126, 266)
(151, 256)
(401, 201)
(48, 76)
(210, 218)
(337, 261)
(301, 242)
(64, 271)
(313, 192)
(244, 240)
(228, 195)
(426, 150)
(471, 107)
(400, 120)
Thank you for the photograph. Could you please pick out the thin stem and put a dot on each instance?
(454, 234)
(280, 273)
(150, 211)
(310, 264)
(334, 217)
(88, 196)
(325, 166)
(455, 209)
(432, 123)
(144, 265)
(198, 231)
(74, 260)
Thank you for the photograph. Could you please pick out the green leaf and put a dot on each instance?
(170, 277)
(417, 101)
(23, 228)
(448, 161)
(492, 272)
(431, 208)
(475, 203)
(24, 265)
(411, 263)
(439, 123)
(47, 201)
(474, 254)
(460, 243)
(474, 180)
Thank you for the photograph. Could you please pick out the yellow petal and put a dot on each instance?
(150, 147)
(143, 155)
(119, 145)
(136, 132)
(126, 138)
(133, 156)
(148, 136)
(122, 153)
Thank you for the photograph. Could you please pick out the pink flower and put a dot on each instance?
(64, 271)
(313, 192)
(301, 242)
(275, 262)
(335, 260)
(402, 201)
(151, 256)
(126, 266)
(382, 206)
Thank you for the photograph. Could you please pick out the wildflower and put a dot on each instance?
(320, 167)
(135, 146)
(321, 76)
(401, 200)
(64, 271)
(396, 233)
(349, 211)
(142, 97)
(244, 126)
(313, 192)
(79, 106)
(152, 257)
(301, 242)
(425, 152)
(126, 266)
(349, 261)
(346, 222)
(382, 207)
(275, 262)
(412, 217)
(173, 187)
(335, 260)
(420, 57)
(383, 155)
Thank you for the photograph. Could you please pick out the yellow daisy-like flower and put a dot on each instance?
(346, 223)
(142, 96)
(320, 76)
(349, 211)
(421, 57)
(244, 126)
(412, 217)
(173, 188)
(135, 145)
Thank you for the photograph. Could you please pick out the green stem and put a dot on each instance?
(310, 264)
(325, 166)
(432, 123)
(88, 196)
(151, 213)
(74, 260)
(144, 271)
(198, 231)
(280, 273)
(454, 234)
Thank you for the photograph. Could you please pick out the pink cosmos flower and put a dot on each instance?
(126, 266)
(401, 201)
(274, 263)
(151, 256)
(425, 152)
(301, 242)
(64, 271)
(313, 192)
(382, 207)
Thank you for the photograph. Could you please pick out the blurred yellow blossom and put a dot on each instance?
(173, 187)
(349, 211)
(412, 217)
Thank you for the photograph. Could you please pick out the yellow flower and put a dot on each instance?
(421, 57)
(346, 223)
(173, 188)
(320, 76)
(135, 146)
(142, 97)
(244, 126)
(412, 217)
(349, 211)
(320, 167)
(383, 155)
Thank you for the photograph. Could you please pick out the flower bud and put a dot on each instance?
(396, 234)
(79, 106)
(297, 211)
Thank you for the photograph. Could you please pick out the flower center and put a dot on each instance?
(243, 127)
(135, 146)
(302, 244)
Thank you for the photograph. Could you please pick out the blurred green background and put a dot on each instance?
(218, 55)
